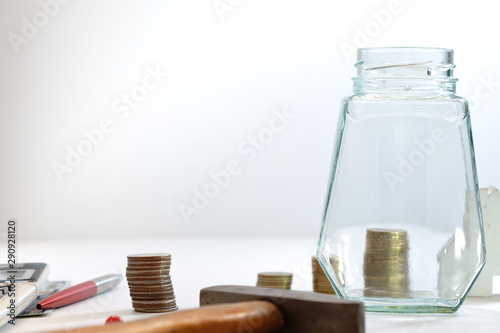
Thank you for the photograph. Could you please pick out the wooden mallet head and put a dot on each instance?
(302, 311)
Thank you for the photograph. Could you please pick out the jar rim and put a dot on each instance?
(405, 49)
(405, 60)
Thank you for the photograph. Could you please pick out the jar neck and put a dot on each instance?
(404, 87)
(405, 72)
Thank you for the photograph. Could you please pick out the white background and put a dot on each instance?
(228, 71)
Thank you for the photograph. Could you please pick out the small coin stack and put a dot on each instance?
(149, 281)
(279, 280)
(386, 263)
(321, 284)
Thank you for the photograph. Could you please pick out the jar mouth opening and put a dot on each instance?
(408, 61)
(394, 64)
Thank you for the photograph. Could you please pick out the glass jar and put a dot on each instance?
(402, 228)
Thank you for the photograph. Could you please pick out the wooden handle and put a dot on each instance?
(244, 317)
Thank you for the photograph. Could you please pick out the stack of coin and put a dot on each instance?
(321, 284)
(386, 263)
(149, 281)
(278, 280)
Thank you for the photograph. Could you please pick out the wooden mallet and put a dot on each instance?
(240, 309)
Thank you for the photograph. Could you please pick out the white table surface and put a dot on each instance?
(199, 263)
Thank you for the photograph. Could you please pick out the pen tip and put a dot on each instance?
(38, 306)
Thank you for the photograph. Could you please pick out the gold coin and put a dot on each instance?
(153, 303)
(149, 264)
(149, 256)
(133, 269)
(148, 274)
(274, 275)
(147, 297)
(151, 295)
(152, 287)
(157, 310)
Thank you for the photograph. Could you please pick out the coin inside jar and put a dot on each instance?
(386, 267)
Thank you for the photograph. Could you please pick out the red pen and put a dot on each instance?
(80, 292)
